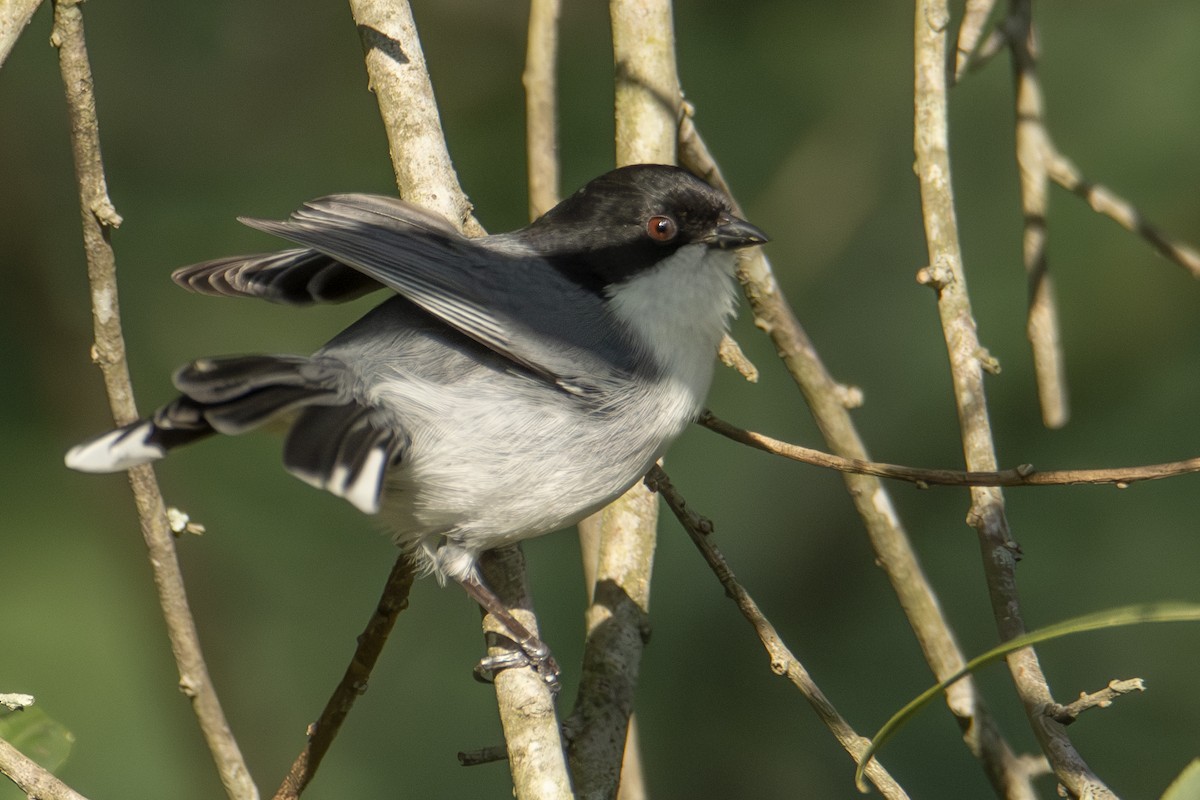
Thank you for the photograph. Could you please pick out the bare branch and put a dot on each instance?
(14, 17)
(531, 730)
(783, 662)
(931, 144)
(1032, 143)
(893, 551)
(648, 97)
(31, 777)
(484, 755)
(400, 81)
(970, 32)
(1107, 202)
(731, 355)
(1018, 34)
(541, 107)
(1024, 475)
(425, 176)
(99, 217)
(621, 543)
(354, 681)
(1101, 699)
(617, 621)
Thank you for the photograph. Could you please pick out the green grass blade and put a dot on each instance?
(1112, 618)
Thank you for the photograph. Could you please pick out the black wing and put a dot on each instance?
(303, 276)
(521, 307)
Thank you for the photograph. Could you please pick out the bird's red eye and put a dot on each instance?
(661, 228)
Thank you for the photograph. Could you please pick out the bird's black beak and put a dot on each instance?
(732, 233)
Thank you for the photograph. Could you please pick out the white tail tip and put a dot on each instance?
(116, 450)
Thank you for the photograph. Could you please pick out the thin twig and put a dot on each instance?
(783, 662)
(1101, 699)
(14, 17)
(99, 217)
(424, 173)
(1017, 34)
(1032, 149)
(1024, 475)
(31, 777)
(931, 145)
(354, 681)
(1107, 202)
(484, 755)
(970, 32)
(731, 355)
(893, 549)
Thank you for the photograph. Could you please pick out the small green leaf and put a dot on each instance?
(37, 735)
(1187, 785)
(1113, 618)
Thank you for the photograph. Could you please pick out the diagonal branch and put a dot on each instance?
(99, 217)
(1017, 34)
(400, 81)
(1107, 202)
(14, 16)
(354, 681)
(986, 515)
(970, 34)
(893, 549)
(783, 662)
(31, 777)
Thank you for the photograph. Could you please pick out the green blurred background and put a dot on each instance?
(209, 110)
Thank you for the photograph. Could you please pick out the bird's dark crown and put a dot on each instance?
(599, 234)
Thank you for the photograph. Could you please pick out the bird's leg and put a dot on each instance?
(533, 651)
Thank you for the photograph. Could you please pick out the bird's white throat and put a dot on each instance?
(678, 311)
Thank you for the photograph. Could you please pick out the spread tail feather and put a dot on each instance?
(342, 450)
(333, 444)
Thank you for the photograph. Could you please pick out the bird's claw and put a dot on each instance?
(537, 657)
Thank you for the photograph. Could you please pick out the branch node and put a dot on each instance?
(180, 523)
(935, 277)
(1104, 698)
(849, 396)
(731, 355)
(106, 213)
(988, 362)
(484, 755)
(189, 686)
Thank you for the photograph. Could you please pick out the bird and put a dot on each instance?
(509, 386)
